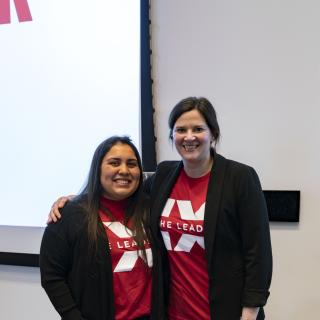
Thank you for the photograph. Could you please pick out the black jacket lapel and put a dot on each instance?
(163, 183)
(213, 201)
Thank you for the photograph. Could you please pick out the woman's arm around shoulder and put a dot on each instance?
(54, 214)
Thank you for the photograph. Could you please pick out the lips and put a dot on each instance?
(190, 147)
(122, 182)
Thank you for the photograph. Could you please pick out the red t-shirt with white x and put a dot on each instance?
(131, 275)
(181, 226)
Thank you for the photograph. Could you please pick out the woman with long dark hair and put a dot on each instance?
(96, 261)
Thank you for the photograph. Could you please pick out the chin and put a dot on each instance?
(190, 157)
(124, 195)
(120, 197)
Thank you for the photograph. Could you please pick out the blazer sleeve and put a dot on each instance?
(256, 244)
(55, 263)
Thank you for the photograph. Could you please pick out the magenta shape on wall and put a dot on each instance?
(22, 9)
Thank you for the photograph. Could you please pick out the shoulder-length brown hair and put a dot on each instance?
(206, 109)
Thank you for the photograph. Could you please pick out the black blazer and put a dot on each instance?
(78, 285)
(236, 236)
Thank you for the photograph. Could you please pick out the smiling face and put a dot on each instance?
(192, 137)
(120, 172)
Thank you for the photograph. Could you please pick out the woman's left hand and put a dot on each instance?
(249, 313)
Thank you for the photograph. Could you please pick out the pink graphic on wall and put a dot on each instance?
(22, 9)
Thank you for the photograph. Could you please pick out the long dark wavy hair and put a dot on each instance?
(137, 208)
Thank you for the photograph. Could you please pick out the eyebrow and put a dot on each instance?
(196, 125)
(119, 159)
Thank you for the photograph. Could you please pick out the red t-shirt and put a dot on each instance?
(181, 226)
(131, 275)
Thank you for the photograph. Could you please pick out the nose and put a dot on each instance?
(123, 169)
(189, 135)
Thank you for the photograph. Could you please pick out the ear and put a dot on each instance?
(213, 141)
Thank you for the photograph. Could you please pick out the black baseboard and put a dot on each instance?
(19, 259)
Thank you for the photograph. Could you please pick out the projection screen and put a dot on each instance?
(70, 77)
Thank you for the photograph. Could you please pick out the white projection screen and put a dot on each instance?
(69, 78)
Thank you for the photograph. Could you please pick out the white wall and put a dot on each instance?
(21, 296)
(259, 62)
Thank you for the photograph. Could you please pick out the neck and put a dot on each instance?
(199, 168)
(107, 201)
